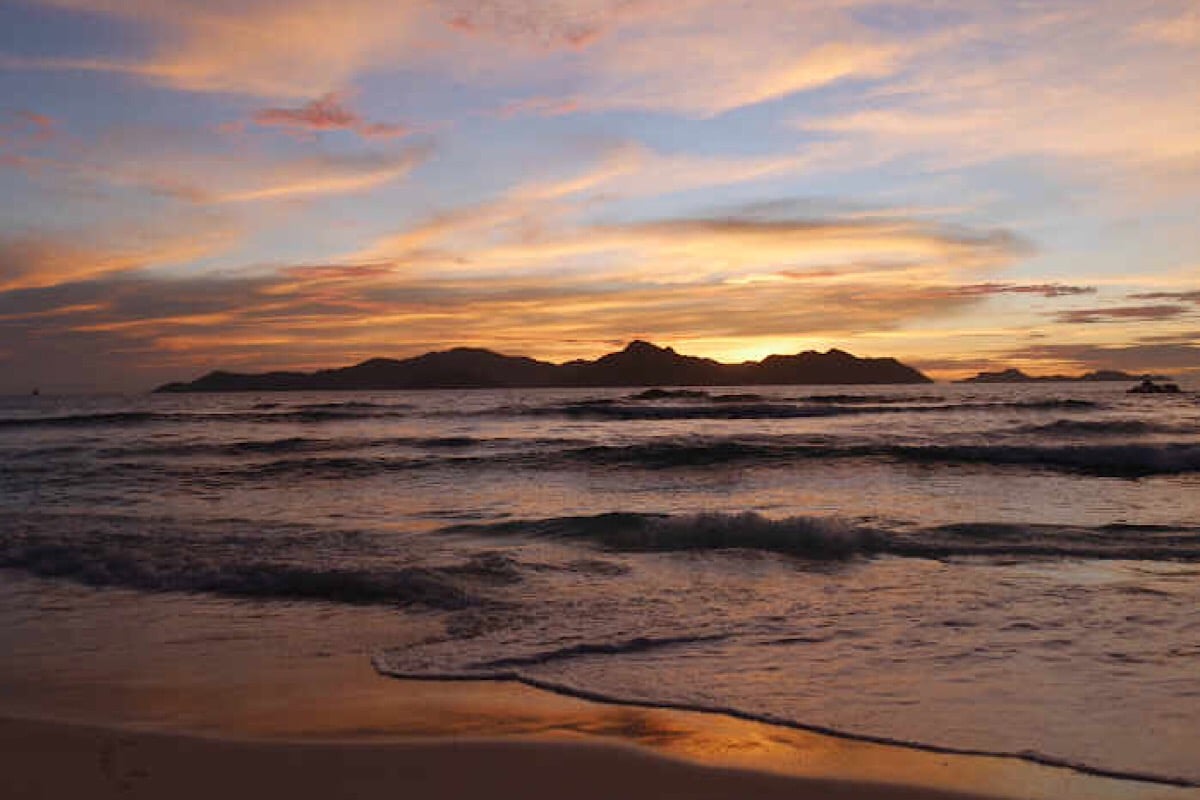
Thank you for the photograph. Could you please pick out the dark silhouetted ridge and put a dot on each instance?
(639, 364)
(1017, 376)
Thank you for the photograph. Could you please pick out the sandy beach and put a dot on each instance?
(47, 760)
(109, 693)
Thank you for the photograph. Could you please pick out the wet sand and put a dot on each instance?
(49, 760)
(107, 693)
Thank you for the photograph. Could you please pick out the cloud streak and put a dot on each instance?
(1149, 313)
(327, 113)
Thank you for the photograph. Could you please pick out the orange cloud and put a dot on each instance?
(267, 48)
(42, 260)
(343, 310)
(242, 178)
(700, 249)
(696, 57)
(1087, 316)
(1048, 95)
(309, 177)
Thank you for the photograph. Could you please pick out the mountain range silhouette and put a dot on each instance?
(639, 364)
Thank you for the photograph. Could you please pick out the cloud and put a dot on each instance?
(693, 57)
(45, 258)
(22, 133)
(1004, 84)
(154, 328)
(540, 106)
(200, 166)
(1184, 297)
(674, 251)
(247, 177)
(327, 113)
(318, 176)
(703, 75)
(548, 24)
(1182, 29)
(1176, 358)
(552, 226)
(544, 208)
(1088, 316)
(28, 127)
(270, 48)
(1042, 289)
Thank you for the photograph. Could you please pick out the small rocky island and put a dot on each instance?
(1017, 376)
(639, 364)
(1148, 386)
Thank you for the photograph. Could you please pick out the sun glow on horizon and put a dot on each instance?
(273, 185)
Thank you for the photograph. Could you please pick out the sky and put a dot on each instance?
(255, 184)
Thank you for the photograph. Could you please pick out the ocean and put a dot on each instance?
(1009, 569)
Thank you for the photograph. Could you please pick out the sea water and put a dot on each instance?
(1005, 569)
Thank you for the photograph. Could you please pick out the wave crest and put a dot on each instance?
(287, 565)
(836, 539)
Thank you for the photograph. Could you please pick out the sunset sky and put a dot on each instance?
(248, 185)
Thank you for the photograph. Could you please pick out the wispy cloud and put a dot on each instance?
(43, 259)
(1176, 358)
(1182, 29)
(610, 168)
(22, 133)
(244, 177)
(1148, 313)
(309, 316)
(1185, 297)
(1028, 84)
(273, 49)
(327, 113)
(1040, 289)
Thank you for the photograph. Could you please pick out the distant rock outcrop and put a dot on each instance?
(1017, 376)
(639, 364)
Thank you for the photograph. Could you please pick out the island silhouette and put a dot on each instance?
(639, 364)
(1013, 375)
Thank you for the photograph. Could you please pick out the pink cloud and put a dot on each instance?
(552, 26)
(327, 113)
(461, 23)
(382, 130)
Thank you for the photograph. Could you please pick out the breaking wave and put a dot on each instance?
(639, 644)
(1105, 427)
(835, 539)
(285, 566)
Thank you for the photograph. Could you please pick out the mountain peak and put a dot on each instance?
(642, 346)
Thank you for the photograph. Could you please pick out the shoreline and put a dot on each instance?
(1027, 757)
(391, 726)
(231, 679)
